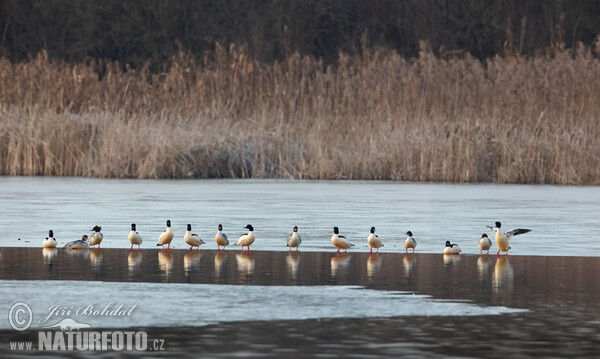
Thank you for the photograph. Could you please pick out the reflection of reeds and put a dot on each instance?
(373, 117)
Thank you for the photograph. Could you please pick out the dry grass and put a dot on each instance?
(510, 120)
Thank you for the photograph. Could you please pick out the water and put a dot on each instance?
(563, 219)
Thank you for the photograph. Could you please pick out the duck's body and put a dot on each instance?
(409, 242)
(79, 244)
(503, 238)
(374, 241)
(166, 237)
(221, 239)
(192, 239)
(96, 237)
(484, 244)
(134, 238)
(340, 241)
(50, 242)
(247, 239)
(294, 240)
(452, 248)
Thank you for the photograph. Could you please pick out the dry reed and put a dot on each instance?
(379, 116)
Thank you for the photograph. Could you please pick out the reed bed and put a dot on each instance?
(374, 117)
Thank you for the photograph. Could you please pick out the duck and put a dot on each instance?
(374, 241)
(247, 239)
(409, 242)
(79, 244)
(293, 240)
(192, 239)
(452, 248)
(50, 241)
(166, 237)
(503, 238)
(484, 244)
(134, 238)
(96, 237)
(340, 241)
(221, 238)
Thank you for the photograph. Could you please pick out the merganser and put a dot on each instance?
(192, 239)
(374, 241)
(79, 244)
(96, 237)
(134, 238)
(247, 239)
(221, 239)
(409, 242)
(484, 244)
(294, 240)
(50, 242)
(502, 238)
(452, 248)
(166, 237)
(340, 241)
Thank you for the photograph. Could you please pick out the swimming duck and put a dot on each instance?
(502, 238)
(340, 241)
(134, 238)
(452, 248)
(166, 237)
(192, 239)
(50, 242)
(221, 239)
(409, 242)
(294, 240)
(374, 241)
(484, 244)
(96, 237)
(247, 239)
(79, 244)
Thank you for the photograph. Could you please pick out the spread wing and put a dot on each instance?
(516, 232)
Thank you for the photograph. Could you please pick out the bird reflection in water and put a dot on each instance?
(484, 263)
(49, 254)
(220, 262)
(191, 260)
(339, 263)
(293, 263)
(503, 275)
(245, 263)
(96, 260)
(134, 261)
(165, 264)
(451, 259)
(373, 266)
(409, 264)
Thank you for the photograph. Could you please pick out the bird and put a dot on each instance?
(293, 240)
(484, 244)
(192, 239)
(340, 241)
(374, 241)
(50, 241)
(221, 238)
(134, 237)
(247, 239)
(166, 237)
(79, 244)
(96, 237)
(452, 248)
(409, 242)
(502, 238)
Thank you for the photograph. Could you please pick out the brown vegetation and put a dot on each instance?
(377, 116)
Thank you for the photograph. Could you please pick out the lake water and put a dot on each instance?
(564, 220)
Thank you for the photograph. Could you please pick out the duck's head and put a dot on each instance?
(50, 234)
(133, 226)
(249, 227)
(295, 228)
(372, 229)
(189, 227)
(220, 227)
(168, 223)
(409, 233)
(484, 235)
(498, 224)
(96, 228)
(336, 230)
(84, 237)
(448, 244)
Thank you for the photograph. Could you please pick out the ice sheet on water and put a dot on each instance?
(179, 304)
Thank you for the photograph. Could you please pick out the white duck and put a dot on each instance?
(409, 242)
(484, 244)
(502, 238)
(221, 238)
(79, 244)
(50, 242)
(340, 241)
(247, 239)
(294, 240)
(166, 237)
(96, 237)
(134, 238)
(452, 248)
(374, 241)
(192, 239)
